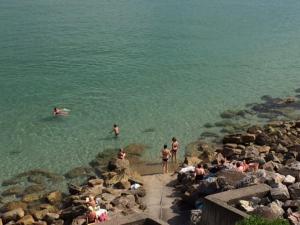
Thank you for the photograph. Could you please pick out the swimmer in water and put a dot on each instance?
(59, 112)
(116, 130)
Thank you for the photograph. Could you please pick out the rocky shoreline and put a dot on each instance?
(116, 186)
(275, 147)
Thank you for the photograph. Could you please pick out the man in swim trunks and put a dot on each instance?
(165, 157)
(199, 172)
(175, 147)
(116, 130)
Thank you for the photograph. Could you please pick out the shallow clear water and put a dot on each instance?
(166, 65)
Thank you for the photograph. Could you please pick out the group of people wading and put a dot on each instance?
(166, 154)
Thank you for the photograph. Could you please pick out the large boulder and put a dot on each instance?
(95, 182)
(54, 197)
(294, 190)
(14, 205)
(289, 180)
(118, 165)
(248, 138)
(14, 214)
(292, 169)
(263, 139)
(268, 212)
(123, 184)
(26, 220)
(124, 202)
(40, 214)
(280, 193)
(234, 138)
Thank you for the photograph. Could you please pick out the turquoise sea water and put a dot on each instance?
(166, 65)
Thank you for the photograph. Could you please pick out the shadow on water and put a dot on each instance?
(148, 130)
(15, 153)
(51, 119)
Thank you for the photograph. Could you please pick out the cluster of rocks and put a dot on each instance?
(237, 120)
(275, 147)
(118, 189)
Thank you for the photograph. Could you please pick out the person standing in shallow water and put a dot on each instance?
(165, 153)
(175, 147)
(116, 130)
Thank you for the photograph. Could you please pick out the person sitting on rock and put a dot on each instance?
(199, 172)
(244, 166)
(121, 154)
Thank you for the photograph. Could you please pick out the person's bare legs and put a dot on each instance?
(166, 167)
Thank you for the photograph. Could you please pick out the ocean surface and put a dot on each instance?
(156, 68)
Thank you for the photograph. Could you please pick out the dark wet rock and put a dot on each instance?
(294, 190)
(14, 214)
(34, 188)
(224, 123)
(15, 190)
(79, 172)
(255, 129)
(26, 220)
(13, 205)
(271, 156)
(195, 148)
(74, 189)
(123, 184)
(208, 125)
(11, 181)
(229, 114)
(229, 152)
(248, 138)
(263, 139)
(54, 197)
(209, 134)
(293, 204)
(73, 212)
(235, 139)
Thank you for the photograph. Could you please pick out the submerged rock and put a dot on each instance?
(79, 172)
(16, 190)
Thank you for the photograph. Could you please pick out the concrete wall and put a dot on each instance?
(217, 210)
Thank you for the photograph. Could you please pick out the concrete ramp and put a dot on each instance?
(162, 199)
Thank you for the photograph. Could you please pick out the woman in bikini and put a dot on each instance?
(175, 147)
(165, 157)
